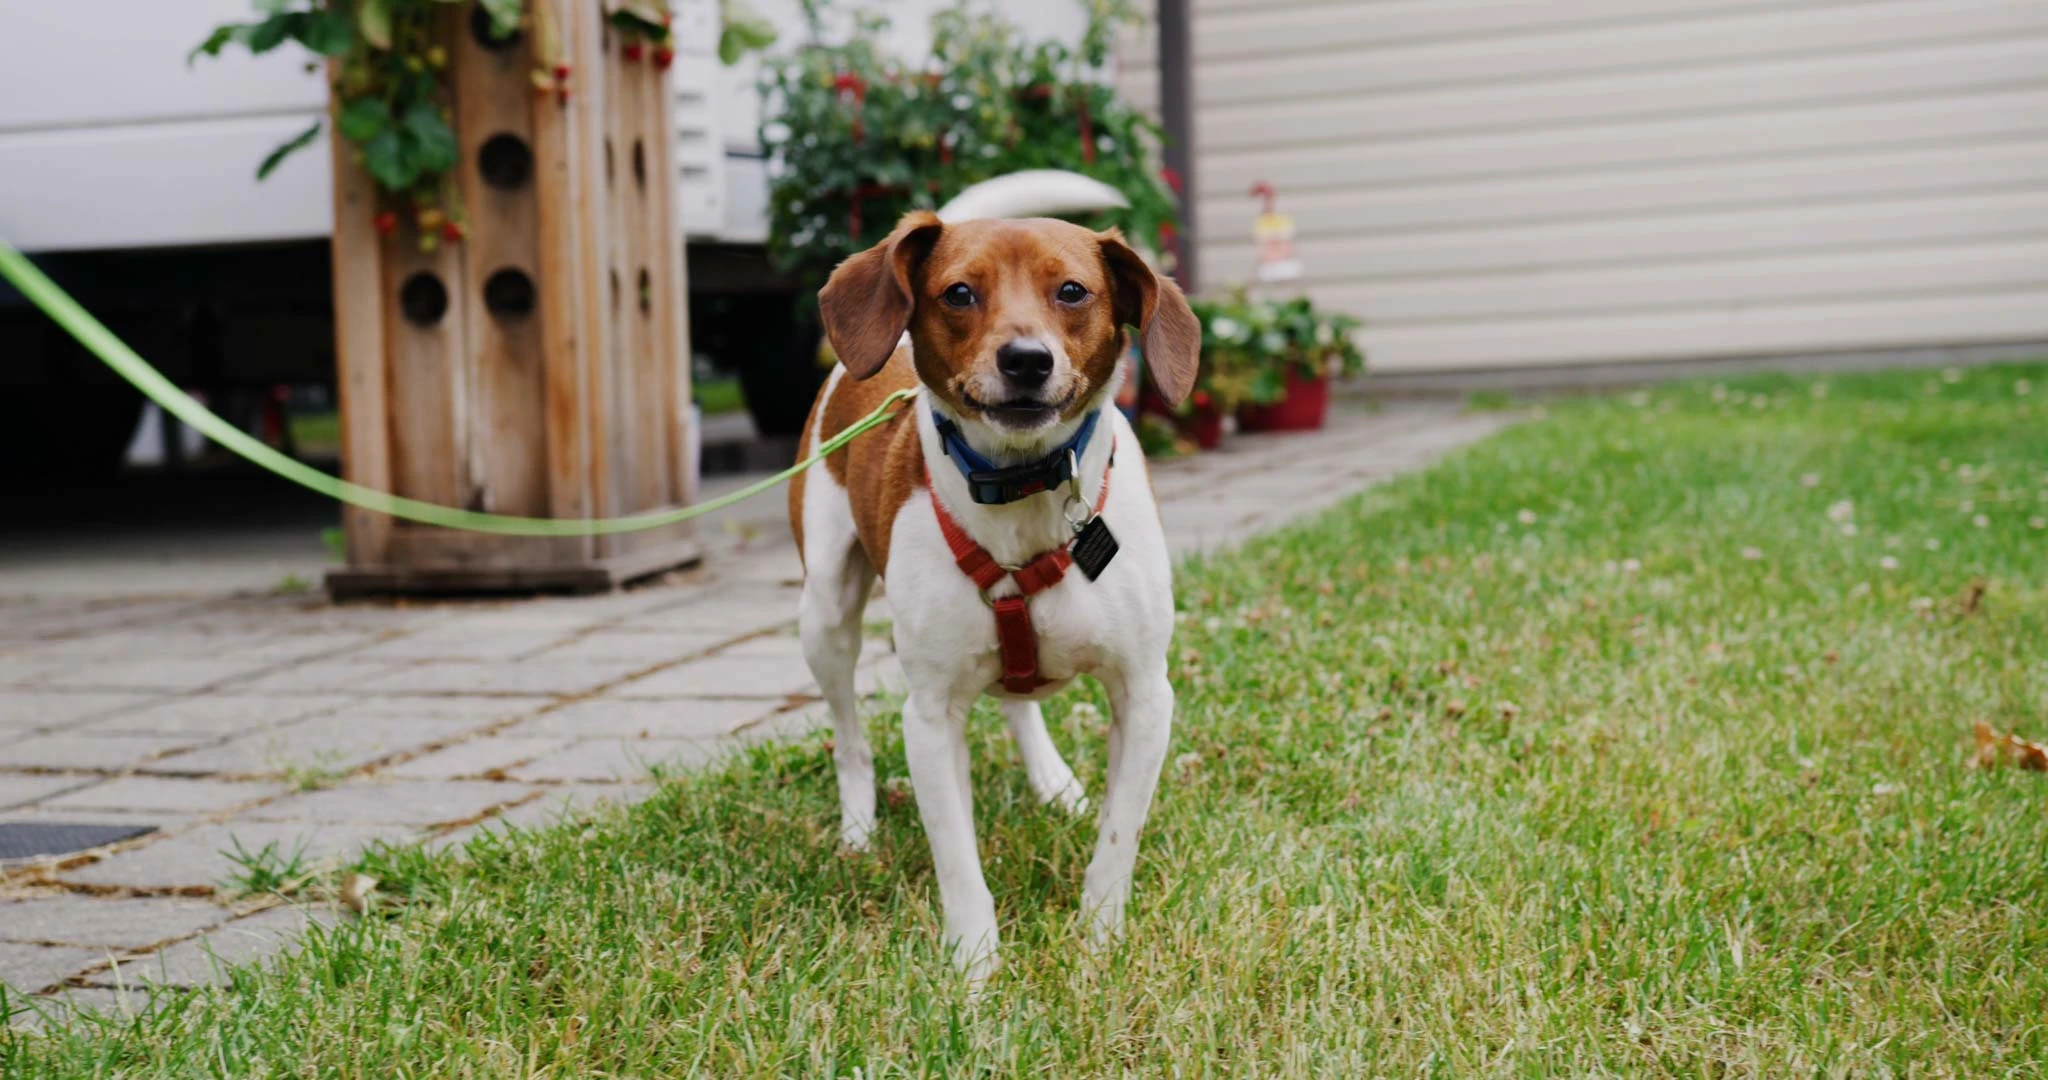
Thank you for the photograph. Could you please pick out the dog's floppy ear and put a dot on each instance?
(867, 303)
(1168, 331)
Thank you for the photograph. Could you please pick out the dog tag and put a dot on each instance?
(1093, 547)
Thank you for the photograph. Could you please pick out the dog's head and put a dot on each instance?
(1015, 324)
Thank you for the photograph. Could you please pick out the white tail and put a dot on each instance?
(1034, 193)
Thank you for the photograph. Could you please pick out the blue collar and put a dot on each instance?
(993, 485)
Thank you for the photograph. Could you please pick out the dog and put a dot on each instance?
(1008, 508)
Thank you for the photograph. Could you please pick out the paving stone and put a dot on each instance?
(406, 802)
(330, 675)
(480, 711)
(520, 677)
(464, 641)
(216, 714)
(643, 647)
(618, 759)
(168, 673)
(338, 744)
(475, 757)
(204, 960)
(200, 857)
(884, 676)
(735, 613)
(782, 646)
(26, 709)
(724, 676)
(27, 969)
(111, 753)
(102, 922)
(181, 795)
(18, 789)
(670, 718)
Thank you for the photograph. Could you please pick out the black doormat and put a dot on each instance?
(30, 839)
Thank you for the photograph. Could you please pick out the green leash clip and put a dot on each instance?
(79, 323)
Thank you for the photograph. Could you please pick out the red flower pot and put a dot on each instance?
(1205, 426)
(1305, 407)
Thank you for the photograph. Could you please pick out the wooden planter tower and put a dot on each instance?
(540, 366)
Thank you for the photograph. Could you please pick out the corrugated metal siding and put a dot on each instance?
(1500, 182)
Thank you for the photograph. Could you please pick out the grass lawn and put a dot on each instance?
(1633, 740)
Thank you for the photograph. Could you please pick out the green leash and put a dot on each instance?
(80, 324)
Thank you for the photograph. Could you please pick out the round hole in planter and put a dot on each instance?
(481, 28)
(423, 299)
(505, 162)
(609, 170)
(639, 163)
(509, 294)
(646, 292)
(615, 288)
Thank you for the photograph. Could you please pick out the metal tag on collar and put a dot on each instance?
(1076, 510)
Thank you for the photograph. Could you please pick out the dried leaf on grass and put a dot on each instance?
(1993, 749)
(356, 890)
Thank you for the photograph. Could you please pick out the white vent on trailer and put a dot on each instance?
(699, 149)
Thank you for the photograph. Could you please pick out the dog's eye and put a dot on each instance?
(958, 295)
(1072, 293)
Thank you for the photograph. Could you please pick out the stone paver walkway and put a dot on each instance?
(245, 722)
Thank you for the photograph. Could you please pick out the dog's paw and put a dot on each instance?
(1070, 798)
(856, 837)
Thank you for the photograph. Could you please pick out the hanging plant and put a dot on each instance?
(391, 98)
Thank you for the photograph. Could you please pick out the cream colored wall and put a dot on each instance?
(1503, 182)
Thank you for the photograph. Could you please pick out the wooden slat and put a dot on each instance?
(424, 375)
(565, 292)
(671, 295)
(584, 39)
(361, 388)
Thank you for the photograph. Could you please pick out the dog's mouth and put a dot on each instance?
(1019, 414)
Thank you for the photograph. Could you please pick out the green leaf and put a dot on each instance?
(373, 21)
(292, 146)
(385, 156)
(362, 119)
(273, 31)
(221, 38)
(504, 15)
(433, 146)
(744, 32)
(327, 32)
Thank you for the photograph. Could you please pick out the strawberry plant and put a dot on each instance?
(390, 90)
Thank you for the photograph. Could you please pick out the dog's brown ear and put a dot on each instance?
(1168, 331)
(867, 303)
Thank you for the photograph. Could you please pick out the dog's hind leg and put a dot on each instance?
(1051, 779)
(836, 582)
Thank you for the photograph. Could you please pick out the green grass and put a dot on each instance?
(716, 396)
(1601, 747)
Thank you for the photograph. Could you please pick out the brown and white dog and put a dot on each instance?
(1010, 331)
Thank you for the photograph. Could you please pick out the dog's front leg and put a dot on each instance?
(1141, 725)
(935, 741)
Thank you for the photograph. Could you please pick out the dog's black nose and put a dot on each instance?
(1026, 364)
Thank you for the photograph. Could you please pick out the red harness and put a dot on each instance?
(1015, 638)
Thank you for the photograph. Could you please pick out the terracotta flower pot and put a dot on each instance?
(1305, 407)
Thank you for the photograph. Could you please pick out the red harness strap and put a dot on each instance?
(1015, 638)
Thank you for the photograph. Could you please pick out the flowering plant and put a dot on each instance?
(1249, 347)
(857, 137)
(390, 96)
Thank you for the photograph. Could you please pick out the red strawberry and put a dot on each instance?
(386, 222)
(633, 51)
(451, 232)
(561, 73)
(663, 57)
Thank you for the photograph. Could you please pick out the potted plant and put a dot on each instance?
(856, 136)
(1276, 358)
